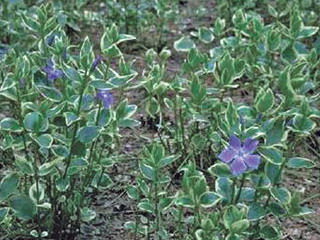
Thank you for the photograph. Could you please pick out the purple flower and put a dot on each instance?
(22, 83)
(96, 62)
(106, 97)
(240, 156)
(51, 39)
(51, 71)
(3, 52)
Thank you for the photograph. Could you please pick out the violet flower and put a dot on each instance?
(51, 71)
(106, 97)
(240, 156)
(22, 83)
(51, 39)
(96, 62)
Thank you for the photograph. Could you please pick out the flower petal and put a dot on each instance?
(250, 145)
(47, 69)
(238, 166)
(235, 142)
(253, 161)
(227, 155)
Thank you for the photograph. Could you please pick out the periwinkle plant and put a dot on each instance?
(226, 124)
(60, 136)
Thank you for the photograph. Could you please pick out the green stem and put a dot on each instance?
(156, 207)
(182, 130)
(83, 88)
(180, 232)
(240, 189)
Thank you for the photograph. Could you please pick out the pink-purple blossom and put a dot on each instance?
(51, 71)
(106, 97)
(96, 62)
(239, 156)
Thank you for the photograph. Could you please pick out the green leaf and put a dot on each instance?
(184, 44)
(167, 161)
(299, 162)
(224, 188)
(231, 215)
(88, 134)
(44, 140)
(303, 124)
(219, 26)
(125, 37)
(62, 184)
(35, 194)
(272, 11)
(272, 155)
(133, 192)
(260, 181)
(285, 84)
(165, 203)
(60, 150)
(307, 32)
(147, 171)
(35, 122)
(256, 211)
(8, 186)
(290, 53)
(240, 226)
(281, 194)
(72, 74)
(273, 172)
(78, 149)
(276, 209)
(10, 124)
(146, 206)
(87, 214)
(185, 202)
(100, 84)
(205, 35)
(209, 199)
(23, 207)
(3, 213)
(121, 81)
(269, 233)
(295, 23)
(102, 181)
(50, 93)
(70, 118)
(86, 54)
(152, 106)
(220, 170)
(47, 168)
(273, 40)
(247, 194)
(113, 51)
(304, 211)
(24, 166)
(77, 165)
(199, 187)
(232, 236)
(231, 115)
(276, 133)
(264, 100)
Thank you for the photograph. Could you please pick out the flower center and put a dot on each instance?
(241, 153)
